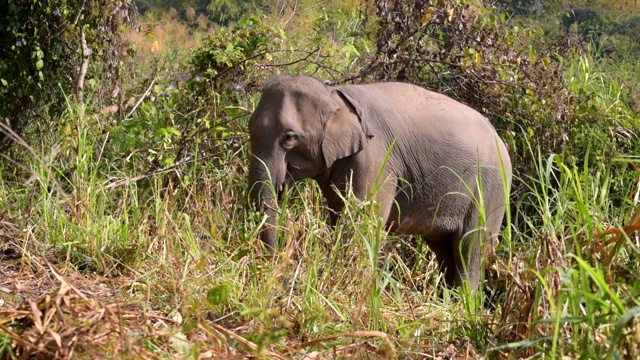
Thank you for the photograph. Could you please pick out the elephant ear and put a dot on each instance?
(344, 134)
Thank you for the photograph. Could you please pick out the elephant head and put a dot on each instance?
(298, 130)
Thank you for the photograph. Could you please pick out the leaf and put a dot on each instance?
(39, 64)
(533, 56)
(219, 294)
(428, 15)
(240, 254)
(232, 111)
(180, 343)
(349, 50)
(4, 82)
(173, 131)
(621, 324)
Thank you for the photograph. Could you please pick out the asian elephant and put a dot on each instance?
(340, 136)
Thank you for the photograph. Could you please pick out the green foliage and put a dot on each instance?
(196, 108)
(578, 282)
(39, 55)
(218, 295)
(227, 55)
(340, 37)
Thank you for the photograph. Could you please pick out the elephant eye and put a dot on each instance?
(290, 139)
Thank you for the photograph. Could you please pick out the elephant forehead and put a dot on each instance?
(290, 110)
(303, 83)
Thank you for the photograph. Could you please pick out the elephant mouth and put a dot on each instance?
(282, 188)
(291, 176)
(280, 192)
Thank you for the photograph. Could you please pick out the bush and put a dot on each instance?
(40, 54)
(226, 57)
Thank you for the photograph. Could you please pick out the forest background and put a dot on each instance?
(125, 228)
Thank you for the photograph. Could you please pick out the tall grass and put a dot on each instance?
(574, 288)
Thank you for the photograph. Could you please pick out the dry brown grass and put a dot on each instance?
(76, 317)
(51, 315)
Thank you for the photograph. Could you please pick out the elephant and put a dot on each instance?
(433, 148)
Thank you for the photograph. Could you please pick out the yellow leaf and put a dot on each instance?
(155, 47)
(428, 15)
(546, 61)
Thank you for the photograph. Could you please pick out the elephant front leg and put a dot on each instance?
(334, 202)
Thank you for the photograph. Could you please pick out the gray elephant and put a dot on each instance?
(340, 136)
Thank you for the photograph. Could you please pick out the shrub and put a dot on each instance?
(40, 52)
(225, 57)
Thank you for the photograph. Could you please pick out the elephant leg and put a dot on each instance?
(466, 253)
(445, 255)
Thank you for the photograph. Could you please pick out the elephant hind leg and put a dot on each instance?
(446, 260)
(459, 258)
(466, 253)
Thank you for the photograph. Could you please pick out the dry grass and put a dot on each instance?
(78, 317)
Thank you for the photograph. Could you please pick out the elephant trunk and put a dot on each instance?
(266, 184)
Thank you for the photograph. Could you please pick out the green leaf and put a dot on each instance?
(242, 253)
(180, 343)
(39, 64)
(219, 294)
(4, 82)
(173, 131)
